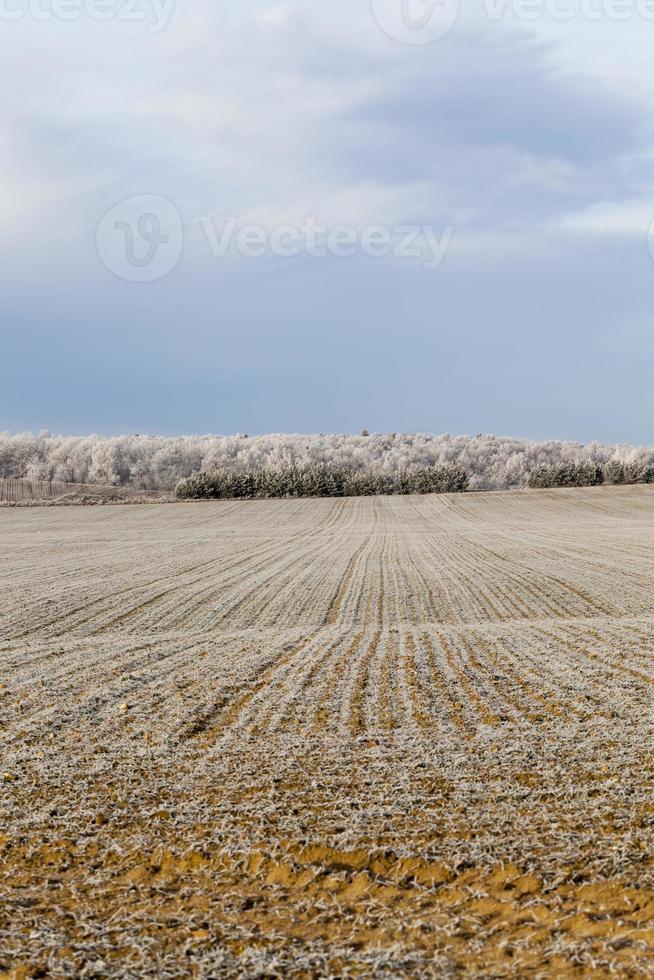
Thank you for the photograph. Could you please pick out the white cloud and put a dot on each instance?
(276, 111)
(610, 218)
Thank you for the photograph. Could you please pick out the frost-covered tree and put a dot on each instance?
(157, 462)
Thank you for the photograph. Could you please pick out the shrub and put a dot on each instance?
(585, 473)
(589, 474)
(616, 473)
(321, 481)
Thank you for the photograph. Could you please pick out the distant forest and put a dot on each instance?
(157, 462)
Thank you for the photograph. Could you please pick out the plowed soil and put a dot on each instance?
(374, 737)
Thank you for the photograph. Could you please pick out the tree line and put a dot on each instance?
(321, 481)
(160, 463)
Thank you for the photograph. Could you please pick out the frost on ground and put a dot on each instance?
(375, 737)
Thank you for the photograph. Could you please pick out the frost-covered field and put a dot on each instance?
(369, 737)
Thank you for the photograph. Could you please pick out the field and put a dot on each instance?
(372, 737)
(17, 491)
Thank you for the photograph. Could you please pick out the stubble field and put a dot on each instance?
(370, 737)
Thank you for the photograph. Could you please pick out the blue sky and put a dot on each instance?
(532, 141)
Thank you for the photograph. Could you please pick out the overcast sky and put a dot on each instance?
(523, 147)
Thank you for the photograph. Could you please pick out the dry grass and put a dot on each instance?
(16, 492)
(375, 737)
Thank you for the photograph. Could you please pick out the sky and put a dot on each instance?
(327, 215)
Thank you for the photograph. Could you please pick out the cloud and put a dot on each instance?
(271, 112)
(611, 218)
(285, 110)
